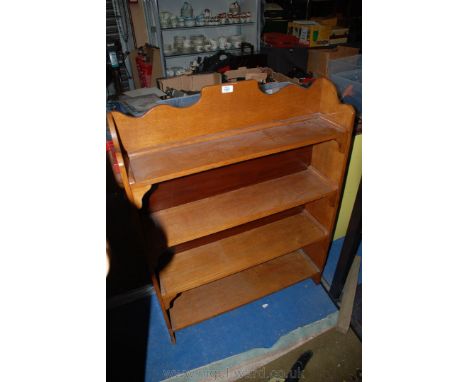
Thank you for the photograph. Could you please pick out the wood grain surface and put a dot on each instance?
(210, 262)
(241, 288)
(212, 182)
(160, 164)
(206, 216)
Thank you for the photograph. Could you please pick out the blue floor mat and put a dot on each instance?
(234, 332)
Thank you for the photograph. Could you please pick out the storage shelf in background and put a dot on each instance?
(207, 263)
(200, 53)
(204, 217)
(241, 288)
(207, 152)
(209, 26)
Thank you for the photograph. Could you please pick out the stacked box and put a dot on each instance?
(319, 59)
(310, 33)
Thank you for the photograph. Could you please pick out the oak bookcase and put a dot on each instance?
(245, 185)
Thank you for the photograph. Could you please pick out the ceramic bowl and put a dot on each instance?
(189, 22)
(168, 49)
(165, 15)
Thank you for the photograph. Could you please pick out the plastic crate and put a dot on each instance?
(345, 64)
(349, 86)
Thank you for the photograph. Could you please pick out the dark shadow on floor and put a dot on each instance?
(131, 236)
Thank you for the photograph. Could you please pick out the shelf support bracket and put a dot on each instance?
(341, 139)
(138, 191)
(163, 308)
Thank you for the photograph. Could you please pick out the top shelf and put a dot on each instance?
(208, 26)
(203, 153)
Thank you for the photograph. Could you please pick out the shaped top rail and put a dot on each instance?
(225, 107)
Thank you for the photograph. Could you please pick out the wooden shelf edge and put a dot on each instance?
(265, 136)
(213, 261)
(223, 295)
(203, 217)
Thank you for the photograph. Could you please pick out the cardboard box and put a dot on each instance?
(154, 55)
(330, 21)
(339, 35)
(258, 74)
(192, 83)
(279, 77)
(318, 59)
(310, 33)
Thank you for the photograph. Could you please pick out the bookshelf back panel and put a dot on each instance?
(213, 182)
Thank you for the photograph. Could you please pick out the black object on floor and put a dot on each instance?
(294, 374)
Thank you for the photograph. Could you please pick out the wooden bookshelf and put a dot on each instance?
(244, 185)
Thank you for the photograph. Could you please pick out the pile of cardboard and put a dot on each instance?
(259, 74)
(190, 83)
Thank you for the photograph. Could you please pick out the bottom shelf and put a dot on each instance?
(220, 296)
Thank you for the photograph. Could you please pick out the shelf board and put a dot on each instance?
(206, 152)
(207, 263)
(223, 295)
(200, 53)
(209, 26)
(203, 217)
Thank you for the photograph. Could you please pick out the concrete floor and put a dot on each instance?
(336, 358)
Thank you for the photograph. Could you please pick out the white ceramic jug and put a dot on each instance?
(186, 10)
(234, 8)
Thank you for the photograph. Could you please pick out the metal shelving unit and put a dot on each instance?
(118, 29)
(157, 35)
(200, 53)
(211, 26)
